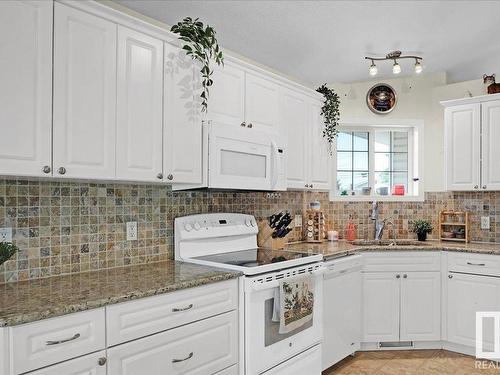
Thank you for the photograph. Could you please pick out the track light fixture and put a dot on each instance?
(396, 68)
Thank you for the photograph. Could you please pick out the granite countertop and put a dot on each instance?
(331, 250)
(28, 301)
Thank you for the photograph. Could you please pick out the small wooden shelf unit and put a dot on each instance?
(449, 221)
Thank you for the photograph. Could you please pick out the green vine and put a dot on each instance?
(331, 114)
(7, 249)
(201, 44)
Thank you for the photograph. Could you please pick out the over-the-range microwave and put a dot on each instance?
(240, 158)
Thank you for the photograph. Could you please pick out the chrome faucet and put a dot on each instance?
(379, 224)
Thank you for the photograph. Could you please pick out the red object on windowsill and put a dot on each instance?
(398, 190)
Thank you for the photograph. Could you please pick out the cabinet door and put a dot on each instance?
(262, 103)
(490, 145)
(26, 87)
(380, 306)
(182, 143)
(320, 160)
(462, 146)
(84, 94)
(139, 107)
(226, 103)
(467, 294)
(199, 348)
(91, 364)
(420, 306)
(342, 316)
(295, 112)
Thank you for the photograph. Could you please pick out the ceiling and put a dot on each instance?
(326, 41)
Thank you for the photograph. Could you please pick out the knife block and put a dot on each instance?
(265, 239)
(315, 226)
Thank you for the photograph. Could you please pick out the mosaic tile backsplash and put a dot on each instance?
(66, 227)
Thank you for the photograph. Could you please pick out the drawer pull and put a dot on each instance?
(177, 309)
(56, 342)
(476, 264)
(182, 360)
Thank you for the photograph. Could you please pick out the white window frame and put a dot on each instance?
(415, 159)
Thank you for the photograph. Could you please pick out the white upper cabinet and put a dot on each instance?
(262, 96)
(295, 112)
(26, 87)
(139, 107)
(84, 95)
(463, 129)
(226, 103)
(490, 178)
(182, 141)
(320, 161)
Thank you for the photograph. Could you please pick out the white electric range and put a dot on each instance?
(229, 240)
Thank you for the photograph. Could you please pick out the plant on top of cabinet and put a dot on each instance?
(202, 46)
(331, 114)
(7, 249)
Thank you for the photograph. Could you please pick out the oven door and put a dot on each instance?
(265, 347)
(240, 158)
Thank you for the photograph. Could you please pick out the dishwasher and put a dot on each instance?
(342, 288)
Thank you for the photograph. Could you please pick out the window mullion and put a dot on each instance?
(371, 160)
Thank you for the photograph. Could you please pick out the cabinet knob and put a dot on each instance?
(159, 176)
(61, 170)
(46, 169)
(102, 361)
(170, 177)
(484, 186)
(450, 276)
(405, 276)
(476, 187)
(250, 125)
(306, 185)
(311, 185)
(243, 124)
(398, 276)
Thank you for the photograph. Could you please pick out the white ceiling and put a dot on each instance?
(326, 41)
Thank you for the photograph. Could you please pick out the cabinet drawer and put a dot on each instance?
(200, 348)
(87, 365)
(131, 320)
(474, 263)
(402, 261)
(58, 339)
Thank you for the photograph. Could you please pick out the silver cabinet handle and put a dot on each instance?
(177, 309)
(311, 185)
(450, 276)
(405, 276)
(476, 186)
(102, 361)
(170, 177)
(56, 342)
(61, 170)
(306, 185)
(398, 276)
(250, 126)
(46, 169)
(184, 359)
(159, 176)
(243, 124)
(476, 264)
(484, 186)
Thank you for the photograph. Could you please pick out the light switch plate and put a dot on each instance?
(298, 221)
(131, 230)
(485, 222)
(5, 234)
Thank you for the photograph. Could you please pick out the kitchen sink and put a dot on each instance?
(386, 243)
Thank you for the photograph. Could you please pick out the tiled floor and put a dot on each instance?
(417, 362)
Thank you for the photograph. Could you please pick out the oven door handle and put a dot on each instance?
(276, 283)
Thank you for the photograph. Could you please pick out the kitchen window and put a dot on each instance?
(377, 162)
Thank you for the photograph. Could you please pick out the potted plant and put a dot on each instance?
(421, 228)
(331, 114)
(7, 249)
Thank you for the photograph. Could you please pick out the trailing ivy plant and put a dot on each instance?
(331, 114)
(7, 249)
(201, 44)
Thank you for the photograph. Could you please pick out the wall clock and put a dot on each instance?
(381, 99)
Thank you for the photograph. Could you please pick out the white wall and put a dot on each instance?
(418, 98)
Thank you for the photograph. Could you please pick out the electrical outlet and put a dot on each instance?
(5, 234)
(131, 230)
(298, 221)
(485, 222)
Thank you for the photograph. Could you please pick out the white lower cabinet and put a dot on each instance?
(200, 348)
(466, 295)
(308, 362)
(92, 364)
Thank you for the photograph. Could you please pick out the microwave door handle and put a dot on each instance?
(275, 155)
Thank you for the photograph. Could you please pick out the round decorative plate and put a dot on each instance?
(381, 98)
